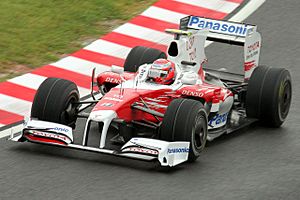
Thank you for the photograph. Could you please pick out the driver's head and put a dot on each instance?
(162, 71)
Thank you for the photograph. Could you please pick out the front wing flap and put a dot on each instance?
(167, 153)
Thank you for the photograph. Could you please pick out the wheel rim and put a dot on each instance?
(200, 132)
(68, 116)
(285, 95)
(103, 89)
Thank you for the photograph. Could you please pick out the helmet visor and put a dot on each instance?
(156, 73)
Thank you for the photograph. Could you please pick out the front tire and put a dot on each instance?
(269, 95)
(186, 120)
(54, 102)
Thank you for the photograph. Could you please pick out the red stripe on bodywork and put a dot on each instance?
(9, 118)
(44, 140)
(249, 65)
(189, 9)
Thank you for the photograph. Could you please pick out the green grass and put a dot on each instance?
(36, 32)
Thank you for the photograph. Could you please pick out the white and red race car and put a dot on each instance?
(165, 106)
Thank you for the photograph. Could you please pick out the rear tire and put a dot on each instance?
(54, 100)
(186, 120)
(269, 95)
(140, 55)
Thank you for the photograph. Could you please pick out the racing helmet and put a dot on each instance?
(162, 71)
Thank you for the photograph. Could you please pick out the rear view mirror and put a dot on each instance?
(117, 69)
(189, 78)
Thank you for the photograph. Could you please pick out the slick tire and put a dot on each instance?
(54, 102)
(269, 95)
(140, 55)
(186, 120)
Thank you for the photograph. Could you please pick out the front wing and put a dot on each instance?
(167, 153)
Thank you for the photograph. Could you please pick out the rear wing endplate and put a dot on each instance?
(233, 33)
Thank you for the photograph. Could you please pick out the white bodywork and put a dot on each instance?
(189, 46)
(48, 130)
(105, 116)
(251, 52)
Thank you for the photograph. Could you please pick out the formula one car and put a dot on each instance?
(166, 106)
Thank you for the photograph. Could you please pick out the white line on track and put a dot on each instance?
(108, 48)
(163, 14)
(33, 81)
(29, 80)
(12, 130)
(80, 66)
(247, 10)
(15, 105)
(217, 5)
(144, 33)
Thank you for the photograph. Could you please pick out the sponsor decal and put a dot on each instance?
(178, 150)
(218, 26)
(249, 65)
(58, 129)
(141, 150)
(51, 135)
(253, 47)
(107, 104)
(190, 48)
(192, 93)
(142, 72)
(113, 80)
(252, 50)
(218, 119)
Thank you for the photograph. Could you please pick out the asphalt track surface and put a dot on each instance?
(255, 163)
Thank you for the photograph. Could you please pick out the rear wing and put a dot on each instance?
(233, 33)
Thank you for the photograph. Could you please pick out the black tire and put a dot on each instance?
(140, 55)
(269, 95)
(54, 100)
(186, 120)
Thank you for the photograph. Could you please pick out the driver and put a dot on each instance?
(162, 71)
